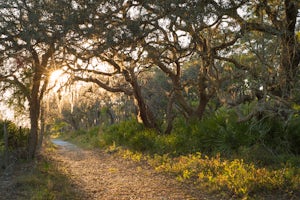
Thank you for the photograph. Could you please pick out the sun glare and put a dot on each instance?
(57, 79)
(56, 76)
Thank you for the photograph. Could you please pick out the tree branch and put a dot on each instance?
(103, 85)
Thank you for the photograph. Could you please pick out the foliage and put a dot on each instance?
(86, 138)
(17, 136)
(156, 87)
(198, 57)
(245, 159)
(264, 141)
(130, 134)
(206, 53)
(293, 134)
(235, 176)
(32, 33)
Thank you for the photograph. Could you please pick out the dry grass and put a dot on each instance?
(37, 180)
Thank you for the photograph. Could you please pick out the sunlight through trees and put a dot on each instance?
(159, 60)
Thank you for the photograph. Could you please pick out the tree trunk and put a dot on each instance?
(290, 53)
(34, 126)
(111, 116)
(5, 133)
(144, 112)
(42, 131)
(34, 114)
(170, 114)
(75, 125)
(202, 106)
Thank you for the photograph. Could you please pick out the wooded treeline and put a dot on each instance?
(161, 59)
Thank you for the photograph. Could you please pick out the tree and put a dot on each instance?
(195, 32)
(110, 34)
(146, 35)
(277, 19)
(196, 44)
(31, 33)
(123, 79)
(87, 107)
(270, 60)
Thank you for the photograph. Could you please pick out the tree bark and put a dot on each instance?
(202, 106)
(170, 114)
(5, 133)
(34, 113)
(290, 53)
(34, 126)
(111, 116)
(144, 111)
(42, 131)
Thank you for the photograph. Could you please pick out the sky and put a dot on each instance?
(5, 112)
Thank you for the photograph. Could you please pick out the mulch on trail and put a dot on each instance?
(105, 176)
(96, 174)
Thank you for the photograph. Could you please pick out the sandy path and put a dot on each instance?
(105, 176)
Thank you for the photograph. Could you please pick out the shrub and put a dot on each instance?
(121, 133)
(17, 136)
(235, 176)
(262, 140)
(293, 135)
(142, 140)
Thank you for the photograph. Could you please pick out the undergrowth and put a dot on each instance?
(84, 138)
(240, 159)
(42, 180)
(17, 136)
(235, 178)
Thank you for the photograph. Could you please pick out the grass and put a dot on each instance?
(85, 139)
(228, 178)
(40, 180)
(220, 175)
(238, 160)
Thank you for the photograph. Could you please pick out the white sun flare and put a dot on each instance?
(56, 76)
(57, 79)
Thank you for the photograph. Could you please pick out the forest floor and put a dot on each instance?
(96, 174)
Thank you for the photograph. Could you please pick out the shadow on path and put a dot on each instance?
(108, 177)
(41, 178)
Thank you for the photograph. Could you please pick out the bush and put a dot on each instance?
(234, 177)
(239, 178)
(246, 149)
(261, 140)
(293, 135)
(264, 140)
(120, 134)
(17, 136)
(142, 140)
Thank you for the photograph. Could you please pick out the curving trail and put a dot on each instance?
(108, 177)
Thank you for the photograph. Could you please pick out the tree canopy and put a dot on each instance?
(175, 58)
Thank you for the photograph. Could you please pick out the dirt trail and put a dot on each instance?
(105, 176)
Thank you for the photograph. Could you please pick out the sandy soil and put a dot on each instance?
(96, 174)
(100, 175)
